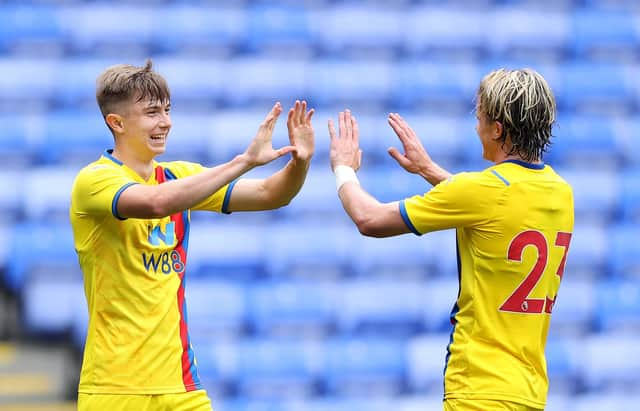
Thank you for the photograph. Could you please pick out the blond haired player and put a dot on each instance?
(513, 224)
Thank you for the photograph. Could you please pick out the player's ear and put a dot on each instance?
(498, 128)
(115, 123)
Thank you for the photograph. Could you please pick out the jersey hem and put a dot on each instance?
(142, 391)
(496, 397)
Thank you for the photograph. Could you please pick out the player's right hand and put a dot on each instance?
(415, 159)
(261, 150)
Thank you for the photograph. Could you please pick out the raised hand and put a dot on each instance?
(415, 158)
(301, 133)
(345, 148)
(260, 150)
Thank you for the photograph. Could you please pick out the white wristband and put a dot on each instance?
(345, 174)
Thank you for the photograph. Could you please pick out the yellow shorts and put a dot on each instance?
(187, 401)
(484, 405)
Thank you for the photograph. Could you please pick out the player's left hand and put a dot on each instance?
(301, 133)
(345, 148)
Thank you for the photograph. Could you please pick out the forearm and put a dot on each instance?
(283, 186)
(146, 201)
(434, 174)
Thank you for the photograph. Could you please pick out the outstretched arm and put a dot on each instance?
(415, 159)
(372, 218)
(154, 201)
(279, 189)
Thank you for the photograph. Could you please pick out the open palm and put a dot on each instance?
(301, 133)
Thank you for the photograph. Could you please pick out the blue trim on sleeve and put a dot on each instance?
(504, 180)
(114, 203)
(407, 221)
(525, 164)
(169, 174)
(227, 198)
(109, 154)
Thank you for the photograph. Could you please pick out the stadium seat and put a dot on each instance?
(597, 88)
(575, 307)
(74, 81)
(196, 83)
(225, 249)
(31, 29)
(603, 34)
(17, 135)
(360, 366)
(98, 29)
(11, 195)
(215, 307)
(588, 251)
(440, 296)
(618, 305)
(430, 31)
(367, 82)
(441, 85)
(630, 195)
(426, 360)
(278, 368)
(363, 312)
(52, 199)
(281, 30)
(27, 83)
(319, 250)
(199, 30)
(562, 368)
(50, 305)
(293, 307)
(624, 400)
(593, 206)
(610, 362)
(265, 80)
(529, 31)
(74, 138)
(40, 250)
(624, 250)
(350, 29)
(585, 142)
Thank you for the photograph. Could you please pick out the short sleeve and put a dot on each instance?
(460, 201)
(217, 201)
(97, 189)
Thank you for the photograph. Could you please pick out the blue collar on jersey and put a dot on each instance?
(108, 153)
(525, 164)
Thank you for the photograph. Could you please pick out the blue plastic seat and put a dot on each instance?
(426, 356)
(47, 193)
(225, 249)
(527, 31)
(574, 311)
(606, 401)
(357, 365)
(429, 30)
(350, 28)
(318, 249)
(437, 85)
(199, 30)
(610, 362)
(618, 303)
(597, 87)
(440, 296)
(27, 81)
(11, 195)
(281, 29)
(215, 307)
(364, 82)
(563, 372)
(16, 139)
(599, 33)
(599, 204)
(74, 137)
(588, 251)
(624, 251)
(278, 368)
(630, 195)
(75, 79)
(196, 83)
(40, 250)
(265, 80)
(581, 140)
(50, 305)
(293, 307)
(364, 312)
(35, 29)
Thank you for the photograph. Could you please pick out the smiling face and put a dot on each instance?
(144, 127)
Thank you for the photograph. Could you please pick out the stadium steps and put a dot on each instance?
(34, 377)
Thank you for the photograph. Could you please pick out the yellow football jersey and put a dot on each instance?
(514, 222)
(137, 341)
